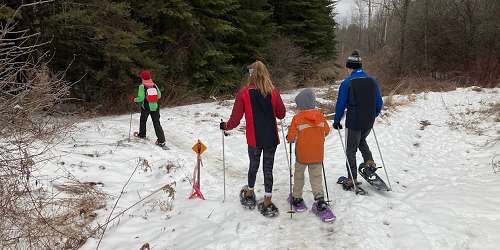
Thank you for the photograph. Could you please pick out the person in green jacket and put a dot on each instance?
(148, 95)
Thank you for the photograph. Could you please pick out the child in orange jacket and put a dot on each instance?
(308, 129)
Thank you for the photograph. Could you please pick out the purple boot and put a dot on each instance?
(298, 204)
(323, 211)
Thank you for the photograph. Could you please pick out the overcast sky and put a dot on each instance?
(343, 9)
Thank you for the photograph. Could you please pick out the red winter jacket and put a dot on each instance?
(260, 116)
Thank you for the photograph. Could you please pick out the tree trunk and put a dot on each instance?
(370, 49)
(426, 31)
(403, 21)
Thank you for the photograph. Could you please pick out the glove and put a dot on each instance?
(337, 125)
(131, 98)
(222, 126)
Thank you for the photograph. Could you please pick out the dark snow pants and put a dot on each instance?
(267, 162)
(155, 116)
(356, 139)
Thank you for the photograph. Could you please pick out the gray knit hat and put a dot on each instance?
(306, 99)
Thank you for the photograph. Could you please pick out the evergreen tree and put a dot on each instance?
(100, 41)
(197, 45)
(309, 24)
(255, 30)
(212, 69)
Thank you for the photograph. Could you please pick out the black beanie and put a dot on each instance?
(354, 60)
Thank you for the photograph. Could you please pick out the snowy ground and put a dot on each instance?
(445, 194)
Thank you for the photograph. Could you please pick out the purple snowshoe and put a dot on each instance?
(298, 204)
(323, 211)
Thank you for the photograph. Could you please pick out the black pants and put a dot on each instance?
(267, 162)
(155, 116)
(357, 139)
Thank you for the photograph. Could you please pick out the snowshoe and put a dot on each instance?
(298, 204)
(247, 202)
(162, 145)
(321, 209)
(268, 211)
(368, 173)
(342, 180)
(136, 135)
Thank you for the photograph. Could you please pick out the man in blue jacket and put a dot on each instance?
(360, 94)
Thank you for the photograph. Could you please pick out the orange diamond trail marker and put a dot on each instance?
(198, 148)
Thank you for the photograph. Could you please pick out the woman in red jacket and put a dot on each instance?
(261, 104)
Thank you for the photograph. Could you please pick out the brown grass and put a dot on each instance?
(471, 119)
(330, 95)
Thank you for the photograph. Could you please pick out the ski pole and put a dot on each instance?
(288, 161)
(348, 164)
(224, 164)
(130, 125)
(381, 158)
(290, 169)
(326, 184)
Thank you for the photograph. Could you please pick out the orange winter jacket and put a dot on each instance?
(309, 129)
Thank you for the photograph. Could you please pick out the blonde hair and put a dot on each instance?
(261, 78)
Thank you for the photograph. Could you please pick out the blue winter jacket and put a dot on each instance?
(360, 94)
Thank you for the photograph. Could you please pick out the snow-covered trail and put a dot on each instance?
(445, 195)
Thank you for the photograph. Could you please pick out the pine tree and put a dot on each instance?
(309, 23)
(255, 30)
(100, 41)
(212, 69)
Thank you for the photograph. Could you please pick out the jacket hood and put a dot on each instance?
(312, 117)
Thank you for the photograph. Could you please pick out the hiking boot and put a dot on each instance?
(298, 204)
(370, 163)
(267, 208)
(368, 168)
(267, 201)
(161, 144)
(322, 209)
(249, 193)
(321, 204)
(247, 197)
(136, 134)
(349, 183)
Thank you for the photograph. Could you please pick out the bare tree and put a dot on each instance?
(400, 8)
(33, 217)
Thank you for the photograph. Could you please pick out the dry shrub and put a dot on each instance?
(33, 217)
(170, 167)
(416, 85)
(324, 73)
(166, 203)
(326, 107)
(492, 110)
(473, 120)
(331, 96)
(287, 63)
(392, 103)
(145, 247)
(145, 166)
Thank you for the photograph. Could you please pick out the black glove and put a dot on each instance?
(222, 126)
(337, 125)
